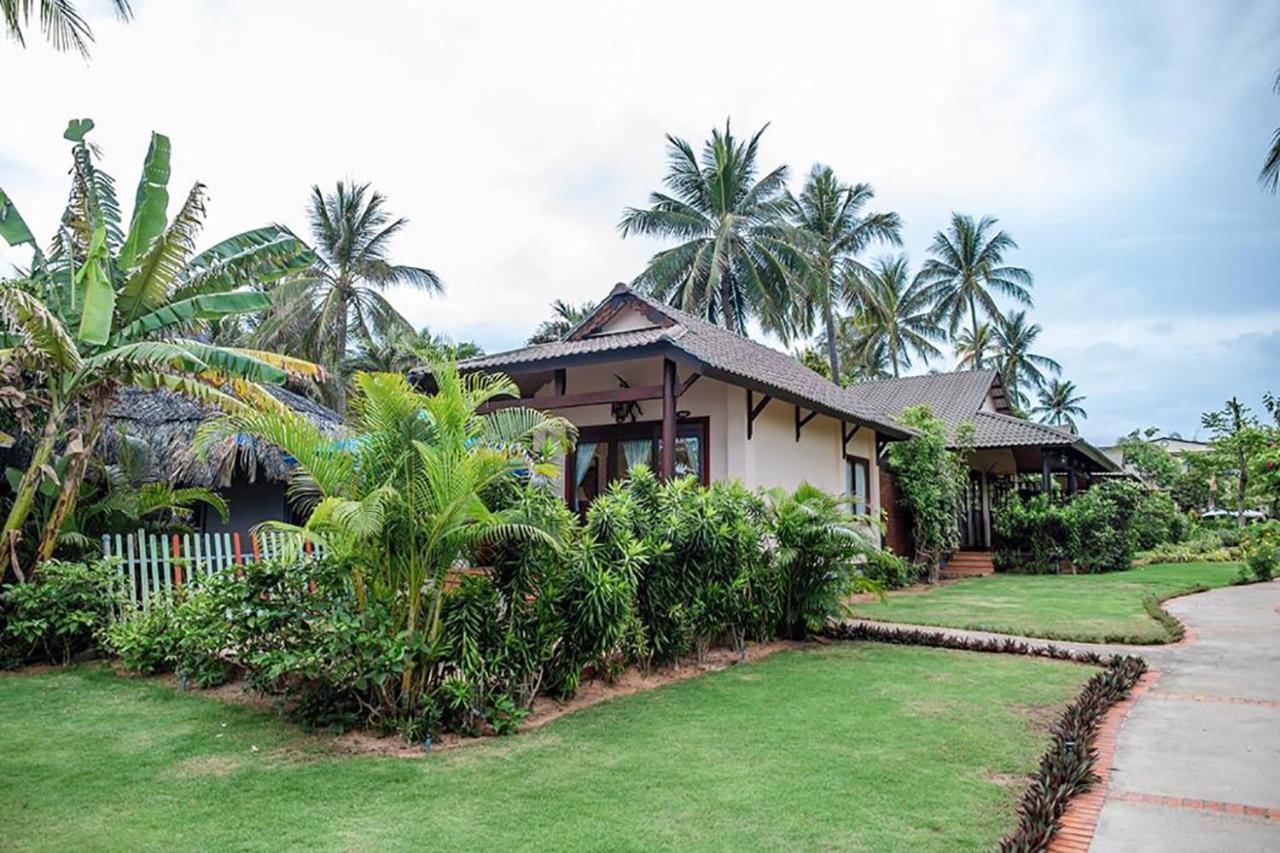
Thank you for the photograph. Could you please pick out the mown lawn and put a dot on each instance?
(853, 746)
(1106, 608)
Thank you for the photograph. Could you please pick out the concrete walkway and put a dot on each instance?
(1197, 758)
(1197, 761)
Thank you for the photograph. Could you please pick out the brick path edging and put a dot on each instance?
(1080, 820)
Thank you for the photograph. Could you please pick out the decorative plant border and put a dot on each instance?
(1066, 769)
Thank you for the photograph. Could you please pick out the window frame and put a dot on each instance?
(612, 435)
(851, 462)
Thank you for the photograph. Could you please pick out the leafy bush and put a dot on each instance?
(1262, 550)
(887, 569)
(930, 479)
(1203, 549)
(817, 548)
(143, 639)
(1035, 535)
(1158, 521)
(1101, 519)
(60, 612)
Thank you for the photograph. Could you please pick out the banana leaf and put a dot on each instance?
(38, 329)
(12, 227)
(233, 363)
(150, 206)
(210, 307)
(187, 387)
(148, 356)
(94, 281)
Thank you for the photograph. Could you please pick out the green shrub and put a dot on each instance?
(1262, 550)
(1101, 520)
(1158, 521)
(1035, 535)
(1205, 549)
(143, 639)
(202, 636)
(817, 548)
(61, 612)
(888, 569)
(930, 480)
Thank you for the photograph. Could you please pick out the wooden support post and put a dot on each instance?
(668, 419)
(847, 432)
(754, 409)
(1045, 480)
(559, 383)
(800, 422)
(1071, 480)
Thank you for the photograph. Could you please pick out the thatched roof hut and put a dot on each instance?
(167, 424)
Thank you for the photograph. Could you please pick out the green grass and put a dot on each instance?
(853, 746)
(1106, 608)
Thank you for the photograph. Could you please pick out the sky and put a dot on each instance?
(1119, 143)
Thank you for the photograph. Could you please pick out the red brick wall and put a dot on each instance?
(897, 534)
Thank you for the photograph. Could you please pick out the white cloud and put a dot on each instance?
(513, 134)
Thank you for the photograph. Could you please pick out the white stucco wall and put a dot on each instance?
(772, 457)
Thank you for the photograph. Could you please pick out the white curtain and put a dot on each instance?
(637, 452)
(692, 450)
(586, 452)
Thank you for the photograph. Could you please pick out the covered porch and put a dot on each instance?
(1056, 470)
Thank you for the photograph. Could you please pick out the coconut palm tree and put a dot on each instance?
(403, 504)
(105, 307)
(1269, 177)
(971, 346)
(60, 22)
(564, 316)
(734, 259)
(400, 352)
(341, 297)
(1059, 405)
(868, 364)
(1020, 368)
(893, 312)
(832, 230)
(967, 272)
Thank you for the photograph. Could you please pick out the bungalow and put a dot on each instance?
(252, 476)
(646, 383)
(1007, 453)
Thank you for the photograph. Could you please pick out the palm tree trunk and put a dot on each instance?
(73, 477)
(25, 496)
(977, 344)
(339, 353)
(833, 354)
(728, 310)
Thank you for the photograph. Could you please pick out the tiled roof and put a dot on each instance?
(720, 354)
(560, 349)
(995, 430)
(953, 397)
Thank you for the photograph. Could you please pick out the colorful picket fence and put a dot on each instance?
(152, 563)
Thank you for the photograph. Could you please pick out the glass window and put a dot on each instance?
(608, 453)
(857, 483)
(590, 472)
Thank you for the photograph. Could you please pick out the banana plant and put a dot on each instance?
(105, 306)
